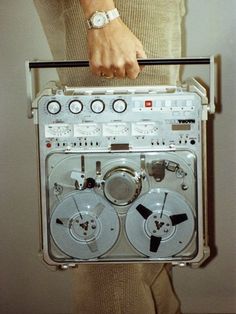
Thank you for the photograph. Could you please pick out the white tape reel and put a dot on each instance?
(160, 223)
(84, 225)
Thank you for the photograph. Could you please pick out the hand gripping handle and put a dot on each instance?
(84, 63)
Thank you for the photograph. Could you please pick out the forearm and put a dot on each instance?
(90, 6)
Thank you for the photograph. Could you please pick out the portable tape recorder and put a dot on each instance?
(123, 172)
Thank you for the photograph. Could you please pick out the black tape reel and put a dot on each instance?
(84, 225)
(160, 224)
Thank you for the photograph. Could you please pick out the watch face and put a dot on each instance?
(99, 19)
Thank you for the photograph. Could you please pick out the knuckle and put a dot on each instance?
(131, 63)
(106, 67)
(119, 64)
(95, 64)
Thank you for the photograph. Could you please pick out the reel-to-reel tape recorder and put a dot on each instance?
(123, 174)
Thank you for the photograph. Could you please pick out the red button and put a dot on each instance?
(49, 145)
(148, 103)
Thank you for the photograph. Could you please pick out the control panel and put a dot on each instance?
(140, 120)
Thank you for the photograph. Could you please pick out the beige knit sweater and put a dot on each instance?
(132, 288)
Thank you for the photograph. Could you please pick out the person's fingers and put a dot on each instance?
(103, 68)
(118, 68)
(141, 54)
(100, 65)
(106, 69)
(95, 66)
(132, 68)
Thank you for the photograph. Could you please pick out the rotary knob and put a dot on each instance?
(53, 107)
(119, 105)
(75, 106)
(97, 106)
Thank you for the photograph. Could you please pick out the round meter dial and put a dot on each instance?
(97, 106)
(119, 105)
(75, 106)
(53, 107)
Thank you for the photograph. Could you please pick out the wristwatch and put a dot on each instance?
(99, 19)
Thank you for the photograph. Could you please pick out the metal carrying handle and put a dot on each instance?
(84, 63)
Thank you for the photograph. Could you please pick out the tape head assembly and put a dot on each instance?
(123, 174)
